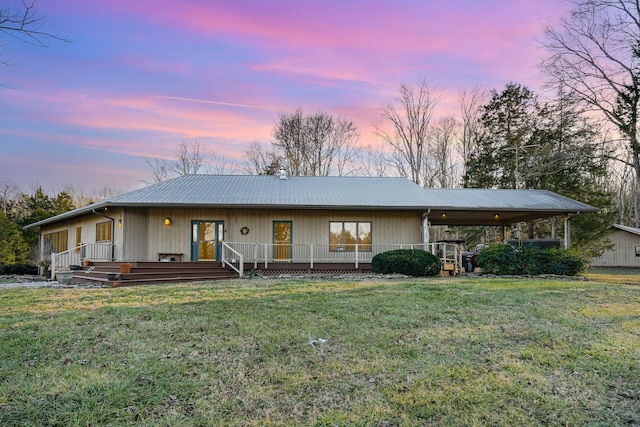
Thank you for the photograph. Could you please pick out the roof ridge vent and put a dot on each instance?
(283, 173)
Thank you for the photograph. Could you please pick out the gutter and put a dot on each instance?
(113, 230)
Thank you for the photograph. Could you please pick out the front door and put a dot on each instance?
(206, 240)
(282, 240)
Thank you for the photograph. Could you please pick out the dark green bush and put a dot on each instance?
(1, 268)
(20, 269)
(411, 262)
(506, 259)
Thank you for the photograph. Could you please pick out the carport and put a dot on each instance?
(501, 208)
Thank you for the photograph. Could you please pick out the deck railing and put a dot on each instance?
(233, 259)
(264, 253)
(74, 256)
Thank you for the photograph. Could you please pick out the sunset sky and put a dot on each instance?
(138, 77)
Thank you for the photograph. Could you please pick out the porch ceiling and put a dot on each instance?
(486, 217)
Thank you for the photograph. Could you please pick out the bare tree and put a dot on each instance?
(260, 161)
(444, 137)
(409, 117)
(220, 165)
(342, 140)
(373, 161)
(290, 145)
(24, 23)
(191, 158)
(8, 192)
(471, 103)
(306, 145)
(159, 169)
(596, 55)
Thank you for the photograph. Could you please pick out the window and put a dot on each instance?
(344, 236)
(78, 238)
(103, 231)
(59, 240)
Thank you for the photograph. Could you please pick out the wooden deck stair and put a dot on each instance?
(152, 272)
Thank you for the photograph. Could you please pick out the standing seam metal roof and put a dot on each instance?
(297, 192)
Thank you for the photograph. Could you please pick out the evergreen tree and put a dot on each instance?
(13, 247)
(552, 146)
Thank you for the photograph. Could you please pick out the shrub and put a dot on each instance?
(411, 262)
(20, 269)
(1, 268)
(505, 259)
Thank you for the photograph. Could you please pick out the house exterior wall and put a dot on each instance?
(623, 253)
(146, 235)
(135, 226)
(87, 224)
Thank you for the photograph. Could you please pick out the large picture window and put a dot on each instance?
(59, 240)
(103, 231)
(345, 235)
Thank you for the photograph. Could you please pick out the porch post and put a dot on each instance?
(266, 255)
(255, 256)
(53, 265)
(311, 255)
(425, 230)
(567, 232)
(356, 256)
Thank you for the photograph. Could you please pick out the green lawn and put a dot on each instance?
(399, 352)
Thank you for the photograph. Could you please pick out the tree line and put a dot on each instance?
(18, 209)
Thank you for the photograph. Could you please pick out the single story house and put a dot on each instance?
(260, 221)
(626, 249)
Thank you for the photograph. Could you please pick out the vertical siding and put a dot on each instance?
(146, 235)
(623, 253)
(87, 223)
(135, 232)
(143, 233)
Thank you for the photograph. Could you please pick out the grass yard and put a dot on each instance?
(404, 352)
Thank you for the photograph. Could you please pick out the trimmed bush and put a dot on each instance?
(410, 262)
(20, 269)
(505, 259)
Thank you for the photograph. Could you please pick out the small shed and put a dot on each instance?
(626, 249)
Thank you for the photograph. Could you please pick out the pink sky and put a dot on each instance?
(139, 77)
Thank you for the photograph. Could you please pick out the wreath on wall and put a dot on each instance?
(244, 231)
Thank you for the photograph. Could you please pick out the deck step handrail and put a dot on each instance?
(92, 251)
(235, 262)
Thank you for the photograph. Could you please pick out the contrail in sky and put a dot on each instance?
(203, 101)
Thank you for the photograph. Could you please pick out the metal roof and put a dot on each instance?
(628, 229)
(272, 191)
(480, 206)
(470, 206)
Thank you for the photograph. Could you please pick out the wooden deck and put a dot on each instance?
(152, 272)
(158, 272)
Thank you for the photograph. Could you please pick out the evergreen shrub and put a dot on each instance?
(410, 262)
(20, 269)
(509, 260)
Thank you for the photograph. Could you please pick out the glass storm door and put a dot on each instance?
(206, 240)
(281, 240)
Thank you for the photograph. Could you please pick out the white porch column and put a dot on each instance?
(567, 232)
(425, 230)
